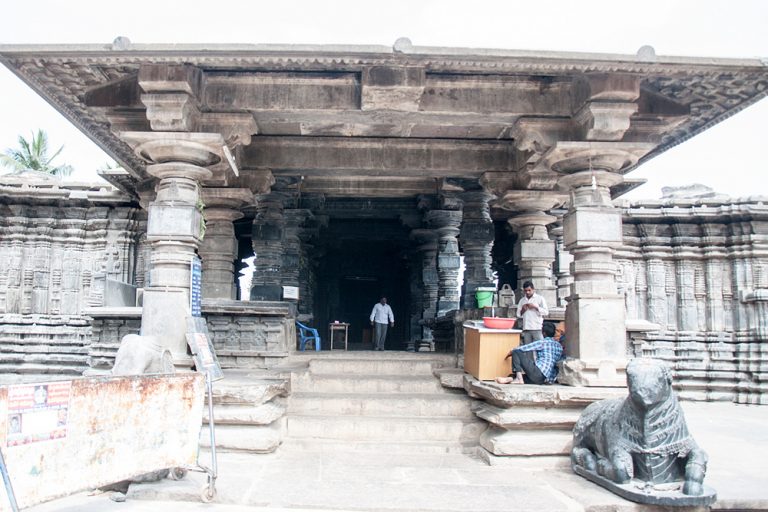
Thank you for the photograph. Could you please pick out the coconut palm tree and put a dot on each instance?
(33, 155)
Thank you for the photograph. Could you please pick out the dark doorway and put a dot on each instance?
(355, 273)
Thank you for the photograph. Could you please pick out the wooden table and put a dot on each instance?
(485, 349)
(338, 327)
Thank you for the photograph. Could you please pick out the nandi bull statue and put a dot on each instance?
(639, 447)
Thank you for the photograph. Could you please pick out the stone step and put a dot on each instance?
(382, 404)
(385, 429)
(365, 384)
(331, 446)
(375, 366)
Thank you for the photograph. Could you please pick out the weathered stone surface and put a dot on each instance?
(511, 395)
(451, 377)
(527, 417)
(254, 439)
(255, 392)
(500, 441)
(263, 414)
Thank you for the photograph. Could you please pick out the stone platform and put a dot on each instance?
(733, 435)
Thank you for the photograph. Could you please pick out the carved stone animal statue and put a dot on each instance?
(141, 354)
(643, 436)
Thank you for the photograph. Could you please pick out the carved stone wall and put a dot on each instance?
(699, 269)
(56, 244)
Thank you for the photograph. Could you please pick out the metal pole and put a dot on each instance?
(211, 427)
(7, 482)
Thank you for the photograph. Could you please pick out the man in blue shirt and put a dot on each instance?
(535, 362)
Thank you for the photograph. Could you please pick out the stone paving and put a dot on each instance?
(734, 435)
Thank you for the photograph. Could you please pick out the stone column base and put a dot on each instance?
(605, 373)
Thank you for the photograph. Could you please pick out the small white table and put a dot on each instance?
(338, 327)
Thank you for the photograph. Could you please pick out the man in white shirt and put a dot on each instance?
(532, 308)
(381, 317)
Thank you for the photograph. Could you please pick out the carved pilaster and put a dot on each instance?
(477, 234)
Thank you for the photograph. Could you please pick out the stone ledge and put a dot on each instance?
(452, 378)
(515, 395)
(245, 307)
(527, 417)
(254, 392)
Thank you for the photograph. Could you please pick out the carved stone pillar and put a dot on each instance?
(426, 240)
(307, 265)
(174, 229)
(218, 249)
(268, 227)
(477, 235)
(292, 248)
(446, 223)
(595, 316)
(562, 270)
(534, 253)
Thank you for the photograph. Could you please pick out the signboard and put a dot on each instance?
(201, 346)
(113, 428)
(196, 287)
(37, 412)
(291, 292)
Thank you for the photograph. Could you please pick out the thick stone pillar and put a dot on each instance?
(595, 316)
(292, 247)
(268, 227)
(562, 270)
(218, 249)
(307, 265)
(534, 253)
(446, 223)
(426, 240)
(174, 229)
(416, 287)
(477, 235)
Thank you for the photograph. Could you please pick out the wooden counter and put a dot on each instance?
(485, 349)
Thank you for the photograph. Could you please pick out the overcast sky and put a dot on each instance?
(726, 157)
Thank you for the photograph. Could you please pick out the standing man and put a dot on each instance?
(381, 316)
(532, 308)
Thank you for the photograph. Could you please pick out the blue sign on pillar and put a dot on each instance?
(196, 287)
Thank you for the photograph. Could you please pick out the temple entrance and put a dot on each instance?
(354, 274)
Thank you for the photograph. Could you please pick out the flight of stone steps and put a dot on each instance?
(377, 402)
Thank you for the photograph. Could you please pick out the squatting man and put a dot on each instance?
(381, 316)
(535, 362)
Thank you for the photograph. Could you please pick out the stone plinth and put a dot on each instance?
(249, 334)
(249, 413)
(529, 420)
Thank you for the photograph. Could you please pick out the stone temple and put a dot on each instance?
(352, 172)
